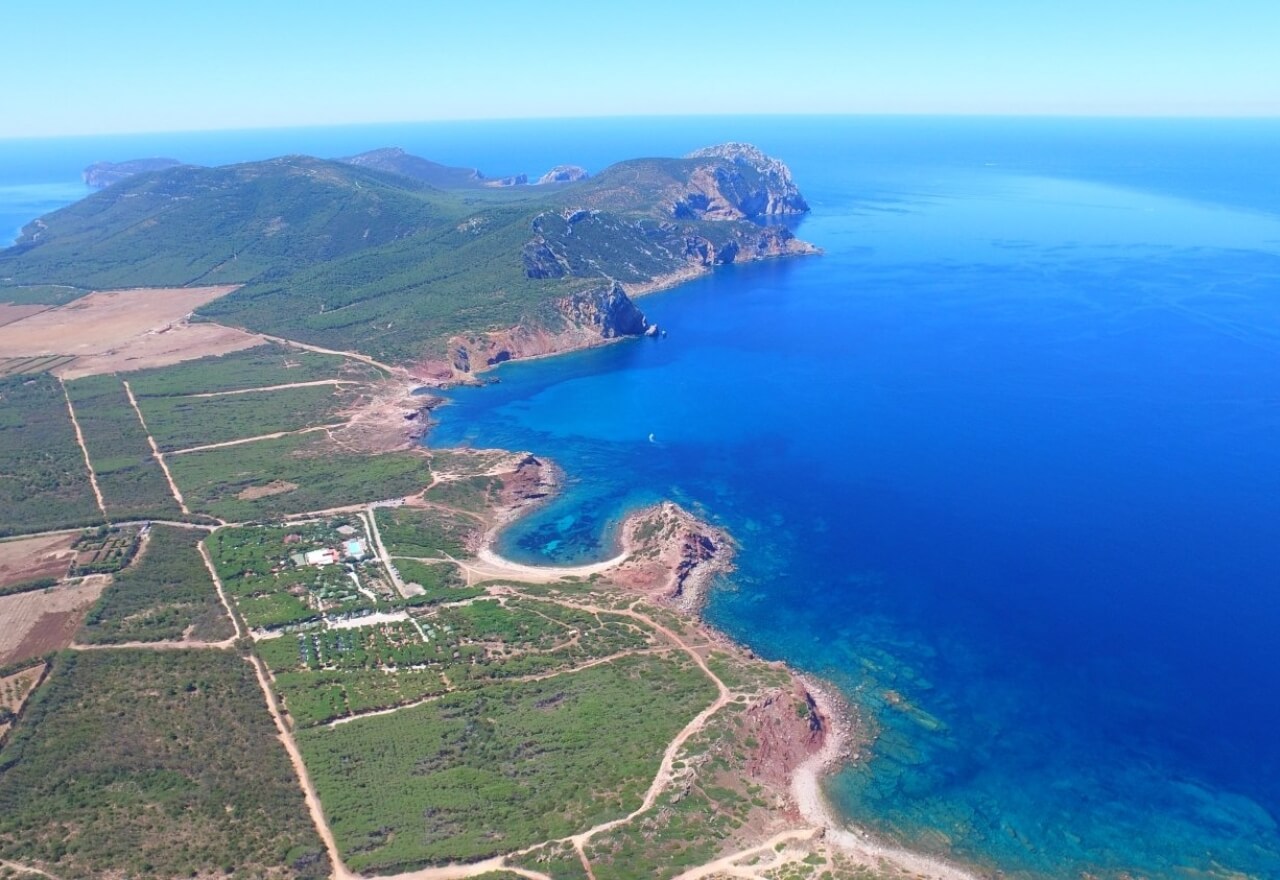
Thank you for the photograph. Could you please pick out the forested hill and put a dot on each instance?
(358, 257)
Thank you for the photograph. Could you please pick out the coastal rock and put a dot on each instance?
(746, 183)
(509, 180)
(585, 318)
(674, 556)
(101, 175)
(564, 174)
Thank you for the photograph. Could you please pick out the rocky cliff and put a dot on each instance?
(564, 174)
(582, 319)
(746, 183)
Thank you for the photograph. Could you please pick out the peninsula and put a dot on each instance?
(252, 627)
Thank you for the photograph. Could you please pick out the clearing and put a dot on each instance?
(123, 330)
(33, 559)
(41, 621)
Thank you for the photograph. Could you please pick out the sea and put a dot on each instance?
(1003, 461)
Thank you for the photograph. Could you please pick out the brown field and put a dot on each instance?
(28, 559)
(14, 689)
(32, 624)
(124, 330)
(9, 312)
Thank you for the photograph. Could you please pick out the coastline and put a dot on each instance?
(687, 592)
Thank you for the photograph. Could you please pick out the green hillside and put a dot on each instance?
(358, 257)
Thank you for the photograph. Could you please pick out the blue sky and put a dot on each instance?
(72, 67)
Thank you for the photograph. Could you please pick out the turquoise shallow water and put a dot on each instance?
(1004, 462)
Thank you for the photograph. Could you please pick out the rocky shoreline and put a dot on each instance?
(672, 558)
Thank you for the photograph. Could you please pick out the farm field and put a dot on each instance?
(502, 767)
(15, 688)
(39, 621)
(112, 330)
(39, 559)
(153, 764)
(130, 479)
(166, 595)
(44, 483)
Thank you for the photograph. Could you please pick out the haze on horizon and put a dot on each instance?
(82, 68)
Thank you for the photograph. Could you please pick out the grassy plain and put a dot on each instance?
(500, 767)
(165, 595)
(153, 764)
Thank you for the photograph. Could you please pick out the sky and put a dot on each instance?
(76, 67)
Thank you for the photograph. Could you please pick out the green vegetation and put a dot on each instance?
(346, 256)
(472, 775)
(221, 225)
(105, 550)
(262, 568)
(163, 595)
(43, 480)
(153, 764)
(440, 582)
(473, 494)
(130, 479)
(426, 532)
(39, 294)
(310, 473)
(183, 422)
(259, 367)
(559, 860)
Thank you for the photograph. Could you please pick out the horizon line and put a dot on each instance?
(302, 126)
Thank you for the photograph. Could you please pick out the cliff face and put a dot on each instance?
(743, 184)
(587, 317)
(564, 174)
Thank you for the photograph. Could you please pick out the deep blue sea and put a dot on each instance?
(1004, 461)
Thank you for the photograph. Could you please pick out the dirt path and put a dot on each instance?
(193, 644)
(222, 593)
(26, 869)
(727, 865)
(244, 440)
(340, 871)
(371, 518)
(275, 387)
(155, 450)
(84, 450)
(355, 356)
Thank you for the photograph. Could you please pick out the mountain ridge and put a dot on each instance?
(368, 253)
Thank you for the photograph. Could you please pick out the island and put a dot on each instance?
(253, 627)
